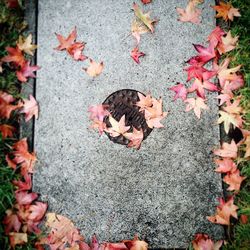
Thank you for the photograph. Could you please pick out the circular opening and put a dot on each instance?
(123, 102)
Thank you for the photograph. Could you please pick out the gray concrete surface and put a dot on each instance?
(162, 192)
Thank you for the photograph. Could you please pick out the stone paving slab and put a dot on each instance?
(162, 192)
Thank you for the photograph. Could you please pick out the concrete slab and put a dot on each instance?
(162, 192)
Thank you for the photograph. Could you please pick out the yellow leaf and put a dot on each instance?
(25, 44)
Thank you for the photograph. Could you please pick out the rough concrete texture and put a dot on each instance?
(162, 192)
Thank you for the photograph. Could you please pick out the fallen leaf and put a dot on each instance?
(137, 29)
(224, 211)
(155, 114)
(200, 86)
(17, 239)
(225, 97)
(136, 54)
(11, 222)
(203, 242)
(100, 125)
(62, 232)
(25, 198)
(76, 51)
(25, 44)
(226, 11)
(228, 119)
(190, 14)
(145, 18)
(225, 165)
(197, 105)
(135, 138)
(37, 211)
(98, 112)
(94, 69)
(215, 36)
(136, 244)
(15, 56)
(30, 108)
(228, 43)
(7, 130)
(180, 91)
(23, 185)
(146, 1)
(144, 102)
(65, 43)
(234, 108)
(247, 149)
(117, 128)
(234, 180)
(26, 71)
(244, 219)
(227, 150)
(205, 54)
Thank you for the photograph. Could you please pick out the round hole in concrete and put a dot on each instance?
(123, 102)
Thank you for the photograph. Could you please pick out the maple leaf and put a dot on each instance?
(136, 244)
(199, 87)
(37, 211)
(234, 108)
(190, 14)
(203, 242)
(18, 239)
(225, 97)
(30, 108)
(23, 185)
(62, 232)
(117, 128)
(135, 138)
(25, 44)
(197, 105)
(100, 125)
(75, 50)
(145, 18)
(215, 36)
(7, 130)
(144, 101)
(6, 107)
(155, 114)
(225, 74)
(136, 54)
(25, 198)
(15, 56)
(137, 29)
(234, 180)
(11, 222)
(23, 157)
(146, 1)
(235, 83)
(227, 43)
(94, 69)
(26, 71)
(224, 211)
(225, 165)
(98, 112)
(65, 43)
(228, 119)
(205, 54)
(227, 150)
(226, 11)
(180, 91)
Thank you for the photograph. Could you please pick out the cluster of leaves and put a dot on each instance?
(149, 106)
(140, 25)
(75, 50)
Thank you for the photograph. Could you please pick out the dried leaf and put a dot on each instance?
(25, 44)
(94, 69)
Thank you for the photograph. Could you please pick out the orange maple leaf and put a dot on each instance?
(224, 211)
(65, 43)
(7, 130)
(234, 180)
(15, 56)
(228, 150)
(226, 11)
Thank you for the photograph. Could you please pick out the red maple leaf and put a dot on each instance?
(65, 43)
(26, 71)
(23, 185)
(136, 54)
(25, 198)
(15, 56)
(180, 91)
